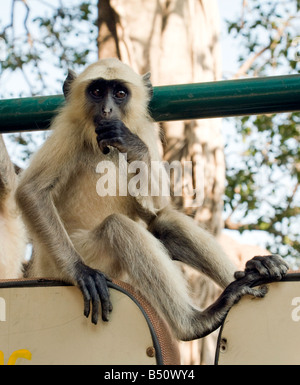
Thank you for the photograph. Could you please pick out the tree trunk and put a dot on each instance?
(177, 40)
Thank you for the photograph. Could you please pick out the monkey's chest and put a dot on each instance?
(89, 198)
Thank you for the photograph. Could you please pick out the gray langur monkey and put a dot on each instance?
(84, 237)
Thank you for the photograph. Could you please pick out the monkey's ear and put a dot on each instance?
(148, 84)
(67, 84)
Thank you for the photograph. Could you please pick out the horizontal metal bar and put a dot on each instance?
(227, 98)
(28, 114)
(177, 102)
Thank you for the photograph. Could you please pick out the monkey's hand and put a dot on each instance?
(270, 268)
(114, 133)
(93, 285)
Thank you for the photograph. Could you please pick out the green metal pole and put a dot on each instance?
(227, 98)
(179, 102)
(28, 114)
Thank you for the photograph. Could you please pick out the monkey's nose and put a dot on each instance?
(106, 112)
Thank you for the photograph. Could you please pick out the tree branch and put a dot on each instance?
(12, 16)
(248, 63)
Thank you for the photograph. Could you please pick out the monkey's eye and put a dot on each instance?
(120, 94)
(96, 92)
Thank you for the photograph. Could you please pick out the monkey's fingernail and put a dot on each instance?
(106, 315)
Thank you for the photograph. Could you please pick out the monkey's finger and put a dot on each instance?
(276, 265)
(239, 274)
(105, 125)
(114, 142)
(272, 266)
(86, 297)
(104, 129)
(258, 264)
(95, 304)
(110, 135)
(259, 292)
(103, 292)
(103, 147)
(94, 298)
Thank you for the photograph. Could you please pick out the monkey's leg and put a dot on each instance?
(189, 243)
(133, 249)
(120, 244)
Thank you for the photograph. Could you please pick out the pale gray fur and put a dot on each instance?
(12, 230)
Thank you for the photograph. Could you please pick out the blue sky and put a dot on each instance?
(229, 9)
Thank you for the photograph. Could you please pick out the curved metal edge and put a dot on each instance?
(157, 348)
(39, 282)
(290, 277)
(42, 282)
(217, 353)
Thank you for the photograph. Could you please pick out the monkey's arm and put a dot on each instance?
(49, 171)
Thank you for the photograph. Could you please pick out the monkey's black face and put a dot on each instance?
(108, 99)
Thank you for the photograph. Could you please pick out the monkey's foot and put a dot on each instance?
(270, 268)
